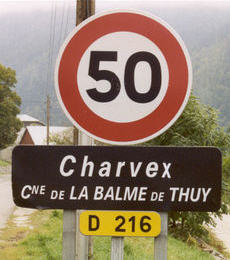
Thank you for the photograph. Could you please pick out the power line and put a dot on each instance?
(62, 20)
(50, 46)
(67, 20)
(52, 42)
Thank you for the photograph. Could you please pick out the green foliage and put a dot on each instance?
(66, 137)
(197, 126)
(226, 179)
(9, 107)
(226, 166)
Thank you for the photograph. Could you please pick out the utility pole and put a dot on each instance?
(47, 119)
(85, 8)
(75, 245)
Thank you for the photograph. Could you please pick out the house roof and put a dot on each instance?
(38, 133)
(27, 118)
(20, 135)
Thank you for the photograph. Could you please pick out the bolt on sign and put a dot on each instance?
(117, 178)
(120, 223)
(123, 77)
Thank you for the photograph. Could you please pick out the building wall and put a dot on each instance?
(26, 139)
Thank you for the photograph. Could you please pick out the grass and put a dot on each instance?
(9, 238)
(4, 163)
(178, 250)
(142, 249)
(44, 242)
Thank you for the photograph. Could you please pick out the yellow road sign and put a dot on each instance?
(120, 223)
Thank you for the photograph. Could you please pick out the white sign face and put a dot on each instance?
(123, 77)
(116, 110)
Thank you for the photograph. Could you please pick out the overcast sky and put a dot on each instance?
(21, 6)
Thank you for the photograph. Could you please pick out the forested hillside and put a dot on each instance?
(212, 77)
(29, 44)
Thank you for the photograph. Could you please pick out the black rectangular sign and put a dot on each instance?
(117, 178)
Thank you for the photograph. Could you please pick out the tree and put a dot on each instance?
(9, 107)
(197, 126)
(64, 138)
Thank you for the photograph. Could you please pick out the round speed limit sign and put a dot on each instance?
(123, 77)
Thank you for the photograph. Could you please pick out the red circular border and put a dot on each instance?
(130, 131)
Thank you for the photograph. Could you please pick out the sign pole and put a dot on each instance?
(161, 242)
(81, 240)
(117, 248)
(69, 235)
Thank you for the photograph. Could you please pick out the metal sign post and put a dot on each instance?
(117, 248)
(81, 240)
(161, 242)
(69, 235)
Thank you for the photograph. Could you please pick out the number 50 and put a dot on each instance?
(97, 56)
